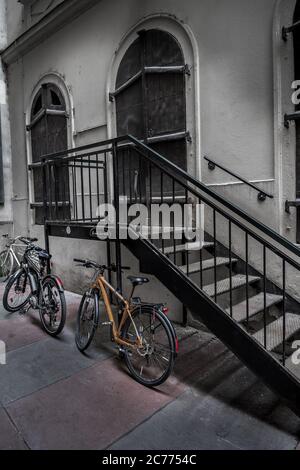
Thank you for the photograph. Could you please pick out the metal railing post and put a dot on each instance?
(117, 212)
(45, 206)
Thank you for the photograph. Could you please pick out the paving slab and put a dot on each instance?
(89, 410)
(187, 424)
(40, 364)
(4, 315)
(176, 427)
(19, 331)
(10, 437)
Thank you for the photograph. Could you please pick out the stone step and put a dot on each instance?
(223, 286)
(293, 367)
(275, 331)
(206, 264)
(256, 305)
(188, 247)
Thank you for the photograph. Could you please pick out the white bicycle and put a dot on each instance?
(10, 258)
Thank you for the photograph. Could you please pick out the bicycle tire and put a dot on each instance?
(7, 264)
(12, 280)
(82, 344)
(145, 310)
(63, 314)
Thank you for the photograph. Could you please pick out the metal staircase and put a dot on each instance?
(239, 278)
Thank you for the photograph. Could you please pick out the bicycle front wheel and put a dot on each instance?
(52, 307)
(153, 363)
(6, 263)
(17, 292)
(87, 320)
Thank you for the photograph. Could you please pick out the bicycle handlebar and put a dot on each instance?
(27, 240)
(91, 264)
(20, 237)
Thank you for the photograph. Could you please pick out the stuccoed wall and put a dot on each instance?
(234, 45)
(14, 19)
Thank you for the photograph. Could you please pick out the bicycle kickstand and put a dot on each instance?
(24, 310)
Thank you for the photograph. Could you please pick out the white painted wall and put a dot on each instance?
(234, 43)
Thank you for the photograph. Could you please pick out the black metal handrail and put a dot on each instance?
(164, 163)
(112, 145)
(144, 176)
(262, 195)
(156, 173)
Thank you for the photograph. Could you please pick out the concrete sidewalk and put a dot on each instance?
(53, 397)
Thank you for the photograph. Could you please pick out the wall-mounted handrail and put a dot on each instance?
(262, 195)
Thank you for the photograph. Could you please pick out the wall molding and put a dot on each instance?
(56, 19)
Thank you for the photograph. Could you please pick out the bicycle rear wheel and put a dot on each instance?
(52, 307)
(152, 364)
(87, 320)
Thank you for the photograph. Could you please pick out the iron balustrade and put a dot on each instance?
(86, 187)
(262, 195)
(146, 177)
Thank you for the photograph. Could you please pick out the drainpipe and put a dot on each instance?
(6, 216)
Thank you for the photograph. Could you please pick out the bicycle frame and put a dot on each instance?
(102, 285)
(11, 250)
(14, 254)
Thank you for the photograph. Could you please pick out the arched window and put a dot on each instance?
(150, 95)
(49, 134)
(297, 122)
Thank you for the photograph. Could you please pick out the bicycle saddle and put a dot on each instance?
(138, 281)
(44, 255)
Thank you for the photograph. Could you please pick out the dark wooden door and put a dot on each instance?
(151, 100)
(297, 77)
(49, 134)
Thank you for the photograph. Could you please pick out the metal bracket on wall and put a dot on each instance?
(291, 117)
(288, 30)
(289, 204)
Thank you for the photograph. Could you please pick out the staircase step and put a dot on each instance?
(223, 286)
(294, 368)
(156, 230)
(206, 264)
(188, 247)
(256, 305)
(275, 331)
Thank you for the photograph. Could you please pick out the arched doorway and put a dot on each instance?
(297, 122)
(49, 134)
(150, 96)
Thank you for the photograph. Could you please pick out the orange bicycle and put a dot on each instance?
(146, 338)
